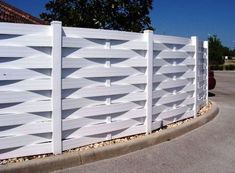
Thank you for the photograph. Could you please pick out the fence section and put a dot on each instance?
(202, 74)
(104, 84)
(63, 87)
(173, 80)
(25, 90)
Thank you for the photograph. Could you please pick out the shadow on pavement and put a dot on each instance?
(210, 94)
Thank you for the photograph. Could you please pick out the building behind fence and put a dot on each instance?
(9, 13)
(64, 87)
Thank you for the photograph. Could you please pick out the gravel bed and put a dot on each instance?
(105, 143)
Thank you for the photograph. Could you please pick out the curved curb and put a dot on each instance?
(67, 160)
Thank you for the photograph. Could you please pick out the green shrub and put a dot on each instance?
(214, 67)
(226, 67)
(221, 67)
(231, 66)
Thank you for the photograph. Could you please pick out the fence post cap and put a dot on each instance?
(148, 31)
(205, 43)
(56, 22)
(194, 40)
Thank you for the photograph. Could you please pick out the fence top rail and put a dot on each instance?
(101, 34)
(171, 39)
(23, 29)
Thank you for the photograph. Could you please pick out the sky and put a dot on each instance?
(176, 17)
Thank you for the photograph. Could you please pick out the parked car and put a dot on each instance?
(211, 80)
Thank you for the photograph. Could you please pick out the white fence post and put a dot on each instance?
(205, 46)
(56, 87)
(149, 56)
(195, 43)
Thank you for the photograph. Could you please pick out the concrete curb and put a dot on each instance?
(78, 158)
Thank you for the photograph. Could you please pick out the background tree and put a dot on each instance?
(233, 52)
(226, 51)
(131, 15)
(216, 51)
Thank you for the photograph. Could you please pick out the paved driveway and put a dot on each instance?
(209, 149)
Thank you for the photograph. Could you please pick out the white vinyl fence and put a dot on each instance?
(64, 87)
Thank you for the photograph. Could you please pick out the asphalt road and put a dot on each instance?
(208, 149)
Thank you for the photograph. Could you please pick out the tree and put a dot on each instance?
(131, 15)
(233, 53)
(226, 51)
(216, 51)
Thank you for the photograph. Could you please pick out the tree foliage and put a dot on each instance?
(131, 15)
(233, 53)
(216, 51)
(229, 52)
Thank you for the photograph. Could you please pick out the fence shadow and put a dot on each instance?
(210, 94)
